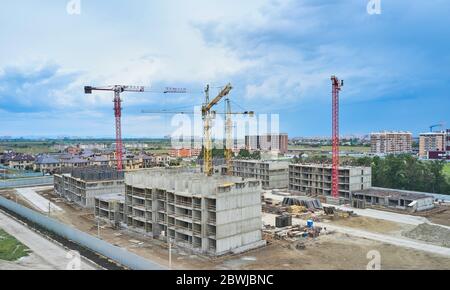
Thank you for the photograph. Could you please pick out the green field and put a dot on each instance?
(27, 147)
(10, 248)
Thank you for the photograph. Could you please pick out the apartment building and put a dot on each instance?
(184, 152)
(82, 185)
(268, 142)
(432, 142)
(391, 142)
(316, 179)
(272, 174)
(211, 215)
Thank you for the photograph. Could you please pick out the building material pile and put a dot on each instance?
(283, 221)
(309, 203)
(335, 213)
(292, 233)
(430, 233)
(297, 209)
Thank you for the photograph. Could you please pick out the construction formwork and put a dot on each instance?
(210, 215)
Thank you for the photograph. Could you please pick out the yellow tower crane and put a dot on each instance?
(229, 134)
(208, 115)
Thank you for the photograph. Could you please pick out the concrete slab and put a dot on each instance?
(41, 203)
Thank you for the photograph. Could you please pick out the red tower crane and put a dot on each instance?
(118, 89)
(337, 85)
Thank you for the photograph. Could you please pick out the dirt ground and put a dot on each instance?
(372, 225)
(334, 251)
(442, 218)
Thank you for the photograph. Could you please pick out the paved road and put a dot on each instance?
(39, 202)
(397, 241)
(54, 256)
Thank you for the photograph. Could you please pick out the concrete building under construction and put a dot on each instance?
(273, 174)
(210, 215)
(316, 179)
(82, 185)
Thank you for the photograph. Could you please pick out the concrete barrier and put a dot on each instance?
(26, 182)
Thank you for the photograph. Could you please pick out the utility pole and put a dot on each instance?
(98, 228)
(170, 253)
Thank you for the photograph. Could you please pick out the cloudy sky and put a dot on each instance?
(278, 54)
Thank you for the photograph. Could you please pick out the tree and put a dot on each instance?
(406, 172)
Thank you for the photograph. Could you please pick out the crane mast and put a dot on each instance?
(337, 85)
(208, 115)
(229, 138)
(229, 133)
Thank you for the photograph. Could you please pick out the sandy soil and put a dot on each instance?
(372, 225)
(442, 218)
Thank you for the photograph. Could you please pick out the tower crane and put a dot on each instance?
(337, 85)
(118, 89)
(207, 116)
(229, 133)
(441, 125)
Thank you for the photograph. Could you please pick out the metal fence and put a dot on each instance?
(117, 254)
(24, 182)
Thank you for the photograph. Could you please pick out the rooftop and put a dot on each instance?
(112, 197)
(329, 166)
(394, 193)
(188, 182)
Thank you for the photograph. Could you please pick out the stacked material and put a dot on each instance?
(283, 221)
(296, 209)
(309, 203)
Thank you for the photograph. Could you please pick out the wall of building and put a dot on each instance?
(83, 192)
(432, 141)
(391, 142)
(273, 174)
(317, 179)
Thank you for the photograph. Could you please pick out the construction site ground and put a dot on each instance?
(329, 251)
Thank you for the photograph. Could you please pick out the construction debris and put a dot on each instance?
(292, 233)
